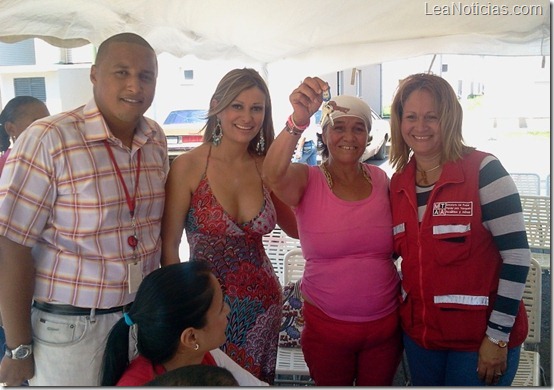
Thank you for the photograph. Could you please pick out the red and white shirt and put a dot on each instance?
(60, 195)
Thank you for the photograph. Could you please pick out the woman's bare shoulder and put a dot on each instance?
(192, 157)
(191, 163)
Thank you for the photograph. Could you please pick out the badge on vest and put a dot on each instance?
(453, 209)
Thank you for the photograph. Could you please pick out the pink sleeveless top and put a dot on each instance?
(349, 274)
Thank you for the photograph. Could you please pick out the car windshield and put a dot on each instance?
(185, 116)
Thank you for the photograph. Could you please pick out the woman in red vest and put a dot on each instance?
(458, 226)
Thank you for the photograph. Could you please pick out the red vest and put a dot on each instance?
(450, 264)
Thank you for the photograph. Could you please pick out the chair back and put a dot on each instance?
(527, 183)
(532, 298)
(294, 265)
(276, 244)
(536, 214)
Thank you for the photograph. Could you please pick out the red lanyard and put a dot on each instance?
(131, 202)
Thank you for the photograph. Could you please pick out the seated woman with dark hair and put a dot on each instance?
(178, 319)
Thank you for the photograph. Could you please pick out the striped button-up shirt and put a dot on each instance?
(60, 194)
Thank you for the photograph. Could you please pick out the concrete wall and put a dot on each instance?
(66, 88)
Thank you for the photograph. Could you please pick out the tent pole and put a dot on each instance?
(432, 62)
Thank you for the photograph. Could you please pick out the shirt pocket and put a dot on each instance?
(462, 319)
(451, 243)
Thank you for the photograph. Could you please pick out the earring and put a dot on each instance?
(218, 133)
(260, 146)
(196, 347)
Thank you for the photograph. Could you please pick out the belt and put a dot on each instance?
(68, 310)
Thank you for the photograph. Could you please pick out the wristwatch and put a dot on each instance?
(19, 353)
(500, 343)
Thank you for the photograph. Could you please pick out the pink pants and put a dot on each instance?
(343, 353)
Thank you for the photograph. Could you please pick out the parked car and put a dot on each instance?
(184, 130)
(379, 137)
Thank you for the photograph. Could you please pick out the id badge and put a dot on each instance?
(135, 276)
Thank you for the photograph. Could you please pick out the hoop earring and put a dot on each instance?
(260, 146)
(196, 347)
(218, 134)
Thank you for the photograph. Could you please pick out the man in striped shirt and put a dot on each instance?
(81, 200)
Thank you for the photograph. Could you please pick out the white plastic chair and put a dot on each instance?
(527, 183)
(529, 369)
(536, 214)
(293, 265)
(277, 243)
(290, 360)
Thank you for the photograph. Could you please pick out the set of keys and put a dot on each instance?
(327, 108)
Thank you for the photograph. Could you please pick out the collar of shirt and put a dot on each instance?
(96, 129)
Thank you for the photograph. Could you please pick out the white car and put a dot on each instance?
(184, 130)
(379, 136)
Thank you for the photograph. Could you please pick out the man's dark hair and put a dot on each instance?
(125, 37)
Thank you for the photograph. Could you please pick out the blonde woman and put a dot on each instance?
(216, 193)
(459, 228)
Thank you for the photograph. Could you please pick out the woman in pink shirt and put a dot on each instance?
(350, 284)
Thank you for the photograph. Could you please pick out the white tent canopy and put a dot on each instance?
(309, 36)
(288, 40)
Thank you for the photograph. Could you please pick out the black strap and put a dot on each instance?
(68, 310)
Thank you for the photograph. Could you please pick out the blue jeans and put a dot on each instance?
(451, 368)
(309, 153)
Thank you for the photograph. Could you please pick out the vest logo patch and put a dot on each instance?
(453, 209)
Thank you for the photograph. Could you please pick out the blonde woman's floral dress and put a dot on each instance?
(239, 261)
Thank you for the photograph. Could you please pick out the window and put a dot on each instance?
(19, 53)
(188, 74)
(30, 86)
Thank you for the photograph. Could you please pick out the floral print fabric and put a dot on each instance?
(293, 318)
(251, 288)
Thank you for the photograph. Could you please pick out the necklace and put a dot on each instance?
(329, 178)
(424, 173)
